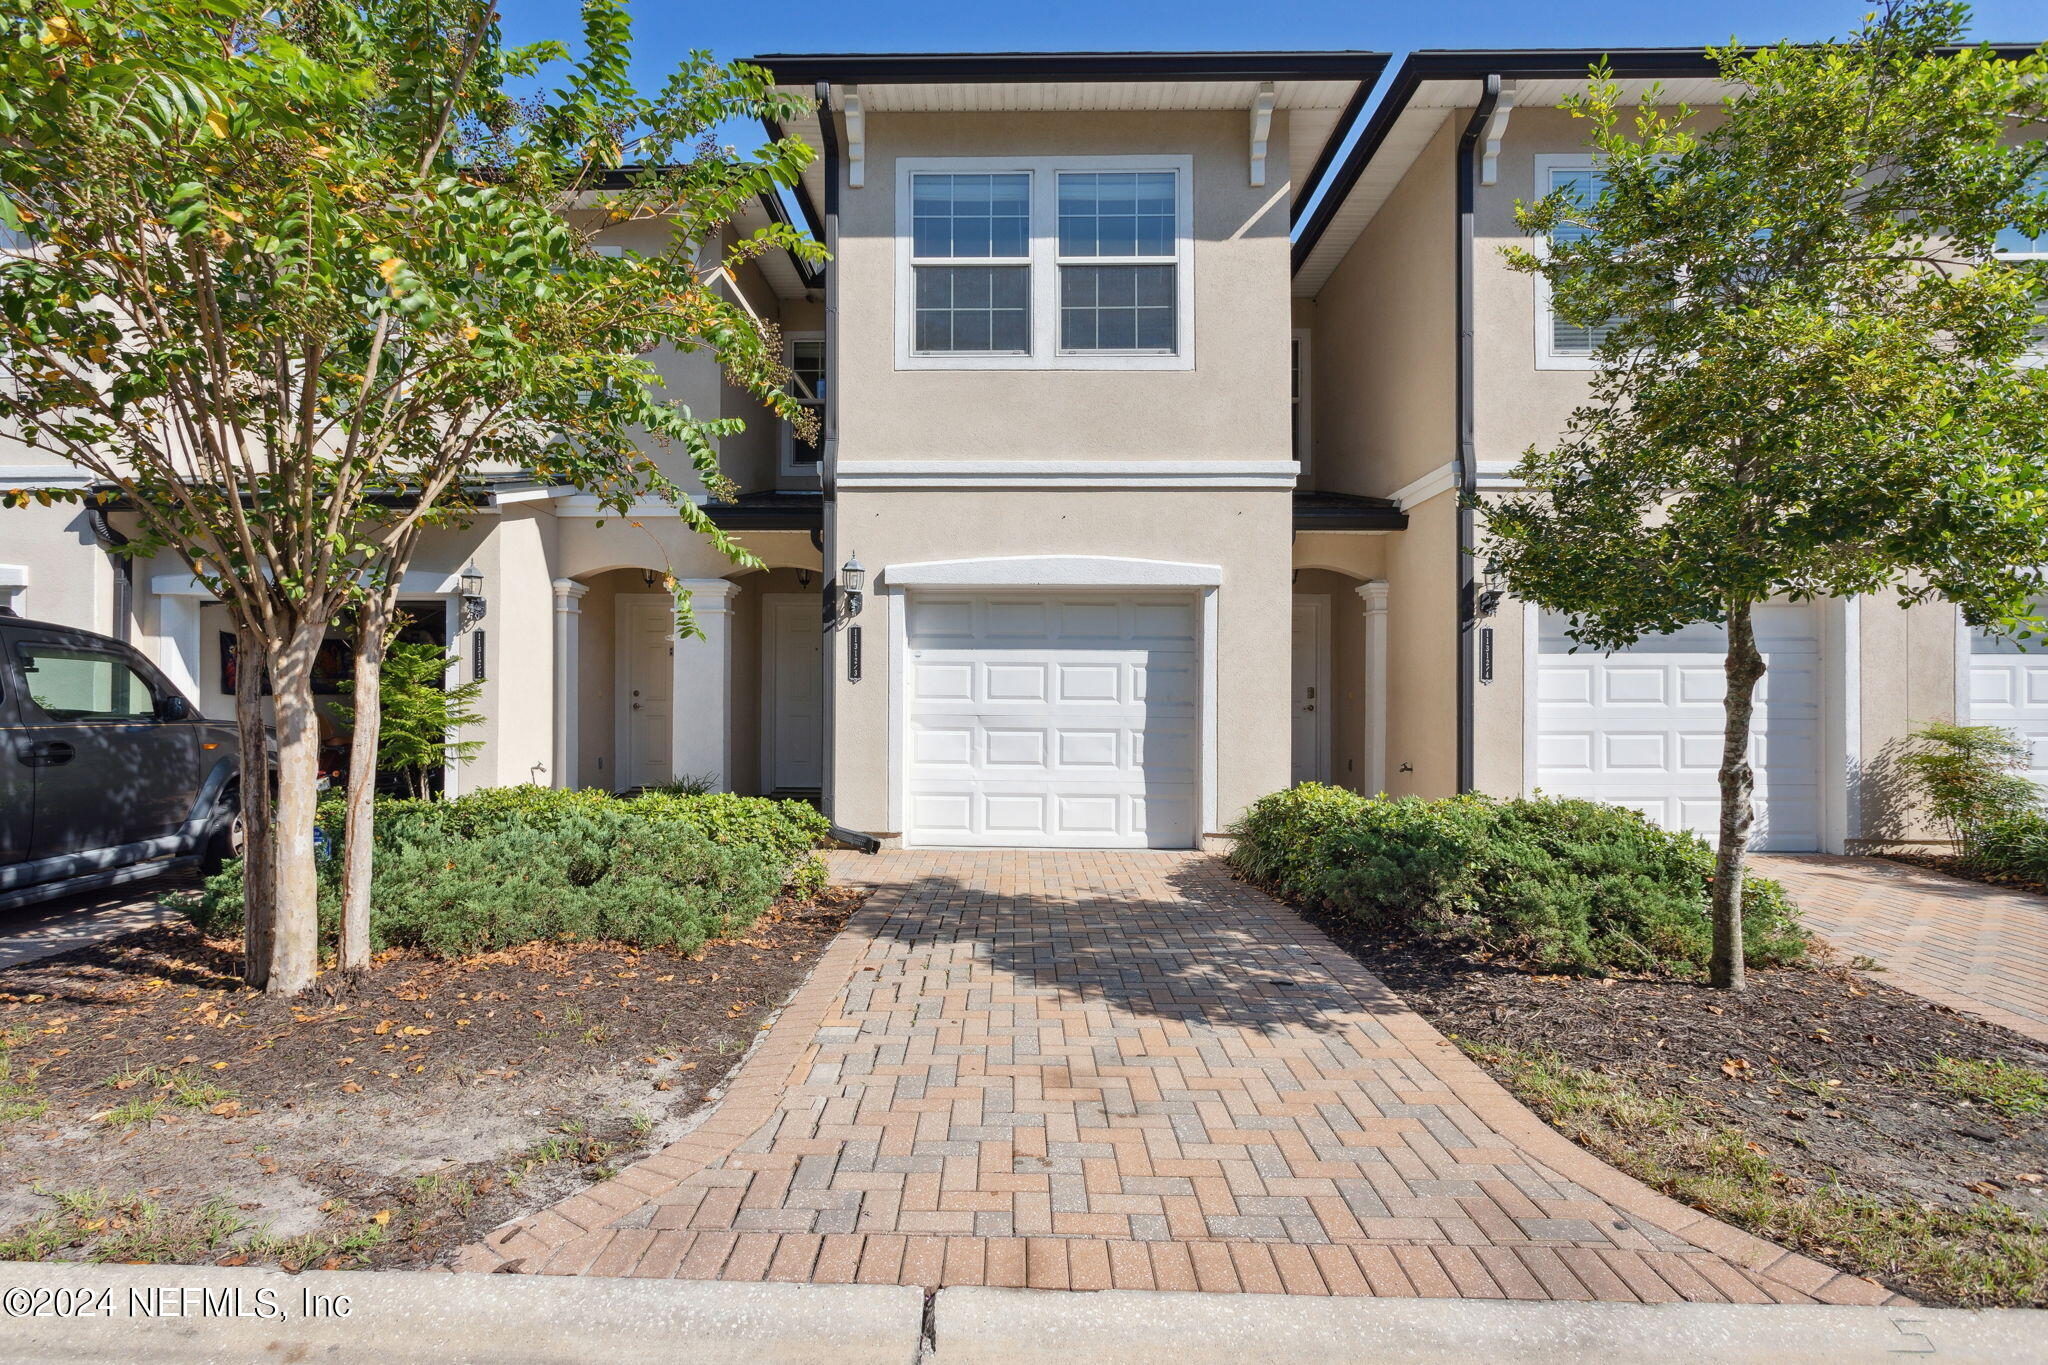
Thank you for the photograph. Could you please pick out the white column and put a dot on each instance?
(177, 651)
(568, 675)
(1374, 594)
(13, 583)
(700, 711)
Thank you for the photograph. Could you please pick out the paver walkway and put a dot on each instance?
(1975, 948)
(1096, 1070)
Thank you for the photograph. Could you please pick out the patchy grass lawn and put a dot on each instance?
(1820, 1109)
(152, 1109)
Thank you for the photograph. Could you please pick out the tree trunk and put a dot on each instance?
(295, 945)
(373, 624)
(1744, 668)
(257, 824)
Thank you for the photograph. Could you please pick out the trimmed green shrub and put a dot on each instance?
(1971, 777)
(1563, 885)
(506, 866)
(2015, 847)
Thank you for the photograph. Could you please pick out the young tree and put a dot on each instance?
(302, 271)
(1813, 383)
(420, 708)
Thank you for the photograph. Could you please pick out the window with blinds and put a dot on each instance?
(1585, 183)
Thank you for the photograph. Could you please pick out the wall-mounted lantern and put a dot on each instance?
(471, 585)
(843, 598)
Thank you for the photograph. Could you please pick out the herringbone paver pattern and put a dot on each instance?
(1975, 948)
(1096, 1070)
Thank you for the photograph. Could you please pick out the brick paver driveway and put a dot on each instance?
(1096, 1070)
(1975, 948)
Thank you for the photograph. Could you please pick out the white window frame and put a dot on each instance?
(2038, 355)
(1547, 357)
(1304, 422)
(1044, 265)
(786, 460)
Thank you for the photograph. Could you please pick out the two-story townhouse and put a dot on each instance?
(1434, 366)
(1109, 529)
(1060, 438)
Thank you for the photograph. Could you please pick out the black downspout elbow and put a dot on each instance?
(1468, 469)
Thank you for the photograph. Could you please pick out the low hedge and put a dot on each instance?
(1562, 885)
(506, 866)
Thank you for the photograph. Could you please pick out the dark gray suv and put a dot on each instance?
(107, 772)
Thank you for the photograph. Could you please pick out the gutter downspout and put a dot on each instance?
(828, 448)
(1467, 472)
(124, 570)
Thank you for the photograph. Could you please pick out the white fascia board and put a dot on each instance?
(1052, 571)
(877, 474)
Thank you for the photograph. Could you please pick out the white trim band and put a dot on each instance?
(1052, 571)
(881, 474)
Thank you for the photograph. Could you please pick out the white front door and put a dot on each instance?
(647, 642)
(2009, 689)
(1642, 727)
(793, 740)
(1311, 702)
(1052, 720)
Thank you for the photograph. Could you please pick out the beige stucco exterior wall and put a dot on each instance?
(1232, 405)
(1383, 380)
(1422, 644)
(1243, 532)
(70, 579)
(1908, 678)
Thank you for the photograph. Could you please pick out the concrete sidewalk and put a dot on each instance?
(170, 1315)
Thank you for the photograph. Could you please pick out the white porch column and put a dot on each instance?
(175, 641)
(1374, 595)
(568, 674)
(13, 583)
(700, 712)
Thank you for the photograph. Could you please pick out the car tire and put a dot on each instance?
(225, 842)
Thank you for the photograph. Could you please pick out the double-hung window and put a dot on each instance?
(1562, 345)
(804, 353)
(2015, 245)
(1045, 263)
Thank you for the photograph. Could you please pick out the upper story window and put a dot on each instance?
(804, 353)
(1562, 345)
(2014, 245)
(1045, 263)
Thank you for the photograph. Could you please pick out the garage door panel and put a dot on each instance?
(2009, 689)
(1641, 728)
(1076, 725)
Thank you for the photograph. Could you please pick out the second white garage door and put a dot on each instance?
(1642, 727)
(1062, 720)
(2009, 689)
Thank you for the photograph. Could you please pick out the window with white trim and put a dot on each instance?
(1045, 263)
(2015, 245)
(804, 354)
(1562, 345)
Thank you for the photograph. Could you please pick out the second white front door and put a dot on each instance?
(647, 641)
(1311, 702)
(793, 743)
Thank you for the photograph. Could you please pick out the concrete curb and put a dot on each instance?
(173, 1314)
(1020, 1326)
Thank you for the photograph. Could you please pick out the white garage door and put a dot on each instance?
(1064, 720)
(1642, 727)
(2009, 688)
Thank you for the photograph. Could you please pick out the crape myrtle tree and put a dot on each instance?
(298, 274)
(1814, 379)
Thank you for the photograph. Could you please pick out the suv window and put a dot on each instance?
(83, 684)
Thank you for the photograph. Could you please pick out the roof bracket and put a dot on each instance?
(1496, 129)
(856, 136)
(1262, 124)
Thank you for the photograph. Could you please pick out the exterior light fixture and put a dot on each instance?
(843, 597)
(471, 585)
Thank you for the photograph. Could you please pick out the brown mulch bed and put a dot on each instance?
(1822, 1068)
(430, 1101)
(1956, 867)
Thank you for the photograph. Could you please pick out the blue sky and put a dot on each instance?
(744, 28)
